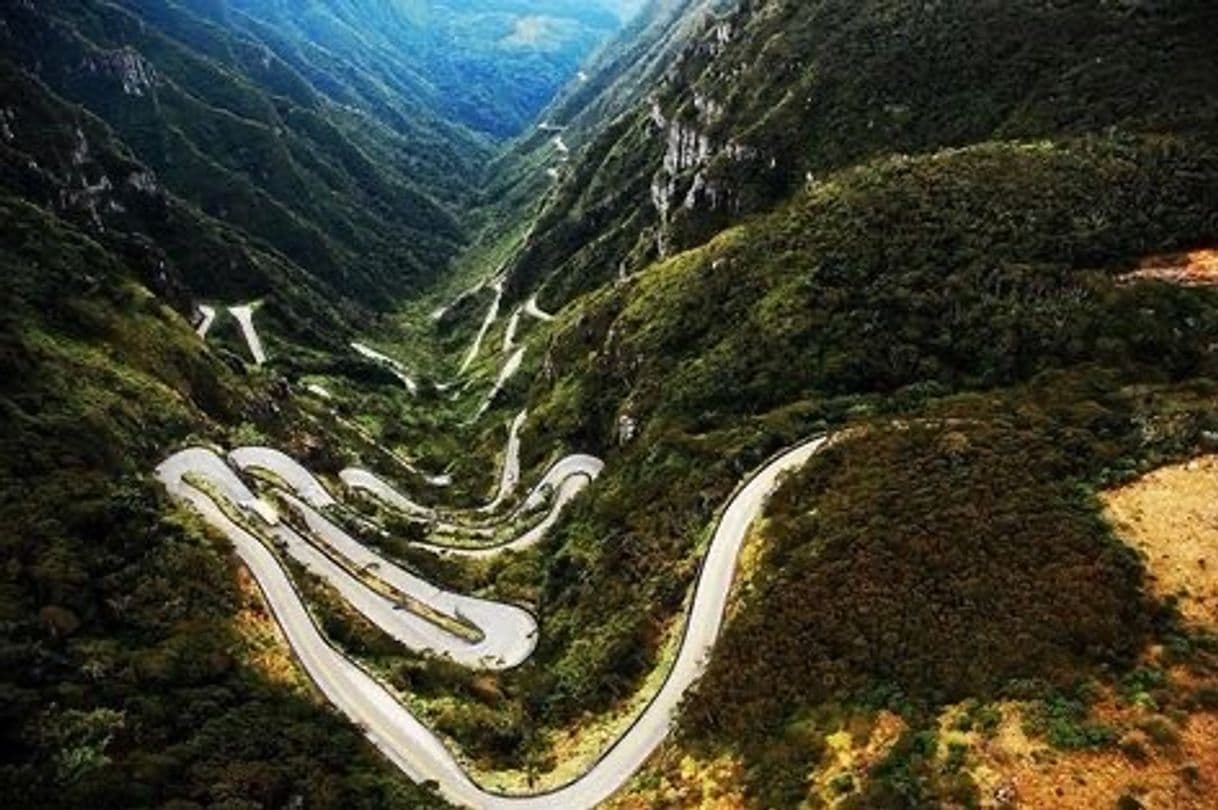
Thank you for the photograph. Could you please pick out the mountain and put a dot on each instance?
(489, 65)
(771, 96)
(834, 214)
(607, 268)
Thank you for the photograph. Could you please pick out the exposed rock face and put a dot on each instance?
(723, 32)
(8, 117)
(657, 114)
(687, 148)
(136, 75)
(144, 181)
(663, 188)
(627, 429)
(83, 193)
(686, 168)
(709, 110)
(693, 176)
(80, 151)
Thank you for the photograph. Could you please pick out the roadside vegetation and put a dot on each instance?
(938, 274)
(130, 677)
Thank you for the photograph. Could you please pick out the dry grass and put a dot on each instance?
(1171, 517)
(1196, 269)
(680, 781)
(1013, 770)
(852, 752)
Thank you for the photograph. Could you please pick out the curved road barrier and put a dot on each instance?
(399, 734)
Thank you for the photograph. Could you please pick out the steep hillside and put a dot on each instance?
(67, 161)
(948, 213)
(137, 670)
(153, 160)
(968, 243)
(240, 135)
(330, 138)
(773, 94)
(531, 171)
(490, 65)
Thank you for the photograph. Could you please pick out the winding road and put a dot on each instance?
(406, 741)
(376, 587)
(388, 362)
(534, 311)
(509, 370)
(209, 317)
(492, 314)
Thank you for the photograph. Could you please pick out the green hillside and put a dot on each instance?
(772, 94)
(923, 230)
(129, 678)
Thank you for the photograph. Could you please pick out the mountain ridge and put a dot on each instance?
(912, 228)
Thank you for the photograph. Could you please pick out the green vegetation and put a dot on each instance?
(806, 87)
(910, 226)
(127, 681)
(215, 124)
(490, 65)
(807, 319)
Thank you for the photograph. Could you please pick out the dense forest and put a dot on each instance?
(127, 676)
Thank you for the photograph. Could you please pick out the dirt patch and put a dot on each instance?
(1171, 516)
(1198, 268)
(1013, 770)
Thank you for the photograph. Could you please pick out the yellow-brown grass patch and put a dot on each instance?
(266, 650)
(1013, 770)
(1198, 268)
(1171, 517)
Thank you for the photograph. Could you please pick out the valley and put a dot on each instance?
(192, 475)
(534, 403)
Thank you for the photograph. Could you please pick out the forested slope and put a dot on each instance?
(136, 670)
(238, 133)
(908, 225)
(153, 157)
(771, 94)
(876, 215)
(487, 65)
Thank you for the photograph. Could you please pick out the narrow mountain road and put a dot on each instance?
(388, 362)
(509, 370)
(500, 635)
(209, 318)
(492, 315)
(534, 311)
(509, 335)
(398, 733)
(245, 316)
(509, 473)
(565, 479)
